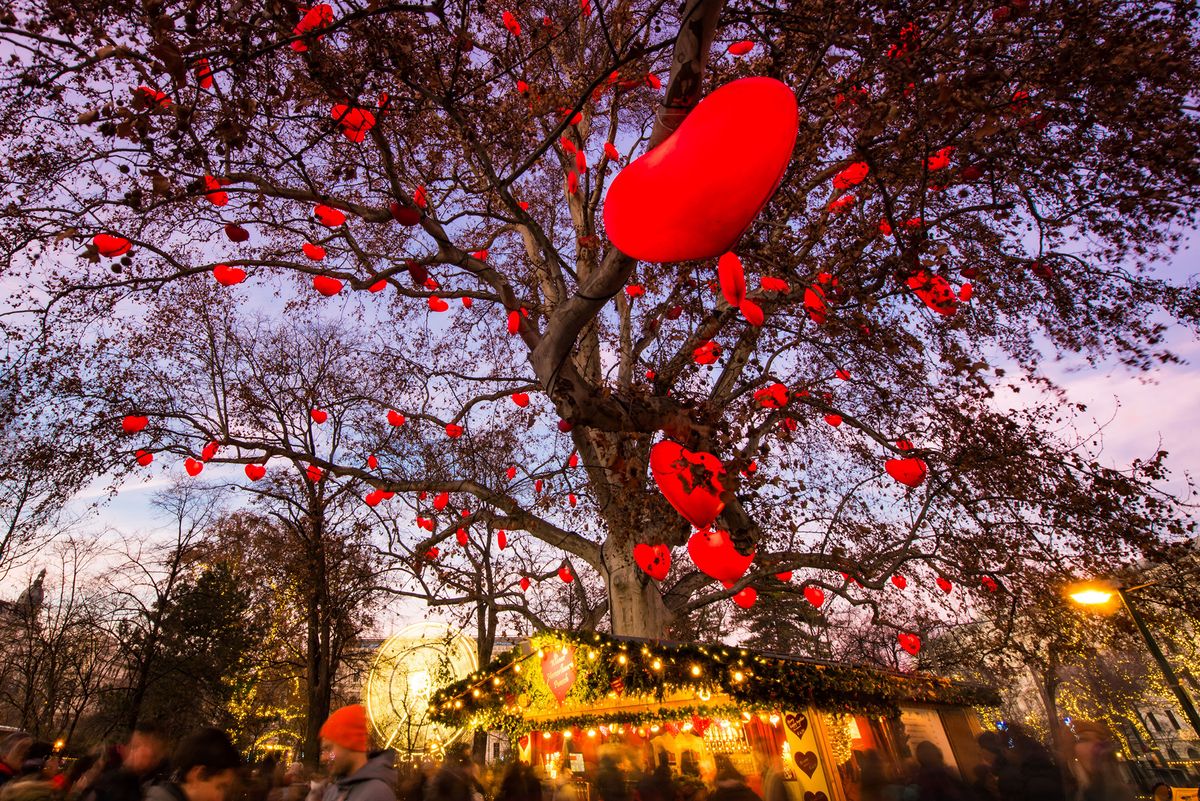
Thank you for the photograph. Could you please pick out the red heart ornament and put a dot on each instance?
(213, 191)
(373, 498)
(558, 670)
(394, 418)
(655, 560)
(565, 574)
(741, 48)
(405, 215)
(693, 195)
(329, 216)
(442, 499)
(732, 277)
(521, 399)
(228, 276)
(192, 466)
(326, 285)
(453, 431)
(318, 416)
(461, 536)
(524, 583)
(815, 596)
(111, 246)
(714, 555)
(314, 252)
(745, 597)
(899, 581)
(786, 576)
(944, 584)
(910, 472)
(909, 642)
(690, 481)
(236, 233)
(133, 423)
(144, 458)
(313, 473)
(502, 539)
(210, 450)
(255, 471)
(990, 584)
(372, 462)
(436, 304)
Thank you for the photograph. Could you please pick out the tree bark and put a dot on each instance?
(635, 603)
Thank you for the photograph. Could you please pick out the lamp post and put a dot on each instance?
(1097, 596)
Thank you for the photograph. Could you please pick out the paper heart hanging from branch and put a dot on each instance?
(693, 195)
(713, 554)
(690, 481)
(814, 595)
(111, 246)
(133, 423)
(193, 466)
(255, 471)
(654, 560)
(745, 597)
(909, 642)
(228, 276)
(910, 472)
(144, 458)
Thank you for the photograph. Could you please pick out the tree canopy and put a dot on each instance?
(974, 187)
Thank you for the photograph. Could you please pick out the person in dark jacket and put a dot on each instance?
(205, 769)
(610, 781)
(358, 774)
(145, 764)
(13, 748)
(731, 784)
(519, 784)
(456, 780)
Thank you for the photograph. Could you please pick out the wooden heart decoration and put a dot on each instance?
(524, 741)
(807, 762)
(693, 195)
(910, 472)
(797, 723)
(655, 560)
(690, 481)
(558, 670)
(714, 555)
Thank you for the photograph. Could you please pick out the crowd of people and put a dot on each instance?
(205, 766)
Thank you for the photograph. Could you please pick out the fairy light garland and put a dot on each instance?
(499, 695)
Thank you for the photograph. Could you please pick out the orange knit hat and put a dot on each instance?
(347, 727)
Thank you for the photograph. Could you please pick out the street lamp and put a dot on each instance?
(1098, 596)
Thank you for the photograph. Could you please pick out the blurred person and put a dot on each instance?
(205, 768)
(610, 780)
(35, 764)
(28, 788)
(1161, 792)
(1038, 777)
(293, 785)
(731, 784)
(73, 775)
(457, 780)
(520, 784)
(13, 748)
(143, 764)
(873, 783)
(1095, 766)
(356, 773)
(656, 785)
(934, 780)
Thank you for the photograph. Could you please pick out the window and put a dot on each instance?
(495, 750)
(1171, 717)
(1153, 722)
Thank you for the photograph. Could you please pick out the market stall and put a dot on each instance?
(566, 698)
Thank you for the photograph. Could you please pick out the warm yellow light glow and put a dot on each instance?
(621, 659)
(656, 664)
(738, 676)
(591, 732)
(1092, 597)
(695, 670)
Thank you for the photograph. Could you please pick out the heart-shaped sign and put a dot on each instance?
(689, 480)
(693, 195)
(807, 762)
(558, 669)
(714, 555)
(910, 472)
(655, 560)
(797, 723)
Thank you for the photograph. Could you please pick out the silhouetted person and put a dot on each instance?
(456, 780)
(610, 780)
(934, 781)
(1096, 768)
(519, 784)
(205, 766)
(731, 784)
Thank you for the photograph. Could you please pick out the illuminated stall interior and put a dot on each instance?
(567, 698)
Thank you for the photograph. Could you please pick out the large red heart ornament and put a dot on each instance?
(910, 472)
(693, 195)
(689, 481)
(909, 642)
(654, 559)
(714, 555)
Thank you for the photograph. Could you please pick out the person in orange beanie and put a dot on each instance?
(359, 774)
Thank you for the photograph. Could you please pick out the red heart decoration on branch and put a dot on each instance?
(326, 285)
(329, 216)
(502, 539)
(565, 574)
(133, 423)
(910, 472)
(944, 584)
(524, 583)
(690, 481)
(318, 416)
(144, 458)
(655, 560)
(394, 418)
(521, 399)
(111, 246)
(255, 471)
(192, 466)
(909, 642)
(815, 596)
(228, 276)
(693, 195)
(713, 554)
(899, 581)
(745, 597)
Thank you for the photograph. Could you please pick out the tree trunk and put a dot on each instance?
(636, 607)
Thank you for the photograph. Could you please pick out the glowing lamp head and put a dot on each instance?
(1095, 595)
(1091, 597)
